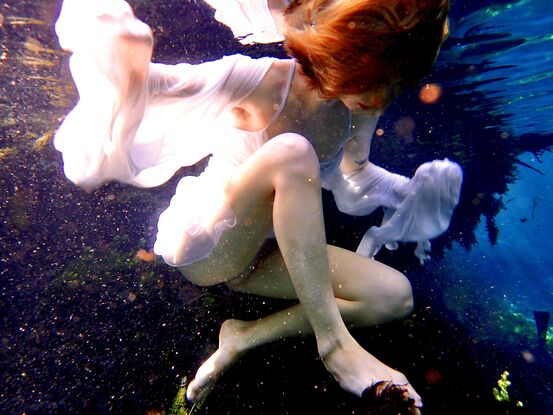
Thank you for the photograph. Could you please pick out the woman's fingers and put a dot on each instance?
(414, 395)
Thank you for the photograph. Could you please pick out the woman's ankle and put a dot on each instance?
(333, 344)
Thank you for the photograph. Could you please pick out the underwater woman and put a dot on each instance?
(277, 130)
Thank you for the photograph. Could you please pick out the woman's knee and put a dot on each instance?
(393, 299)
(405, 303)
(293, 156)
(398, 296)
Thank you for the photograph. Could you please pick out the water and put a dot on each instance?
(87, 327)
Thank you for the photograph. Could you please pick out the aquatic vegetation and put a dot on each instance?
(7, 151)
(180, 405)
(43, 140)
(501, 393)
(110, 262)
(498, 320)
(24, 21)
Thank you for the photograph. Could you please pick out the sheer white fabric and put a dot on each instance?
(415, 210)
(190, 228)
(251, 21)
(138, 122)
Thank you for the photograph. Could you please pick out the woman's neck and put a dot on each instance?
(323, 122)
(305, 95)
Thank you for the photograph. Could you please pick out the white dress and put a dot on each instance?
(138, 122)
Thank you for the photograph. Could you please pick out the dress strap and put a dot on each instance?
(349, 132)
(285, 94)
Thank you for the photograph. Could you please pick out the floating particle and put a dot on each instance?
(528, 356)
(146, 256)
(430, 93)
(404, 127)
(433, 376)
(379, 132)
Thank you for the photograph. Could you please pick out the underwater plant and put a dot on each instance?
(501, 393)
(180, 405)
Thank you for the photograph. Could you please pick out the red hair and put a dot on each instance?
(348, 47)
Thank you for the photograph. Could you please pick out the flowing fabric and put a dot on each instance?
(251, 21)
(415, 210)
(138, 122)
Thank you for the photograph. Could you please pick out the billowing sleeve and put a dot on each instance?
(251, 21)
(415, 210)
(138, 122)
(111, 52)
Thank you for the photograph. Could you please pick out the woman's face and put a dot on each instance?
(372, 102)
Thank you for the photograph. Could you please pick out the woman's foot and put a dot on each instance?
(355, 369)
(232, 345)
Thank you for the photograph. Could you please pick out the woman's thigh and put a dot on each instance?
(250, 193)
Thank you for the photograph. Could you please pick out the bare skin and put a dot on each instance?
(278, 188)
(367, 293)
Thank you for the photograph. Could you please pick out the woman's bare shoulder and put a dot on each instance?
(255, 111)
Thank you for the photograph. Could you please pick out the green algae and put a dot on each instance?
(497, 320)
(180, 405)
(501, 393)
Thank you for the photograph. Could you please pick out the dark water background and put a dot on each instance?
(86, 327)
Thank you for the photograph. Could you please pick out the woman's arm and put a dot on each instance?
(416, 209)
(357, 149)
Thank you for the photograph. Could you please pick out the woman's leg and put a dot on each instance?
(283, 173)
(367, 293)
(280, 182)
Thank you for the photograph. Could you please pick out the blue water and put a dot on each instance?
(513, 277)
(507, 53)
(518, 268)
(85, 327)
(509, 50)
